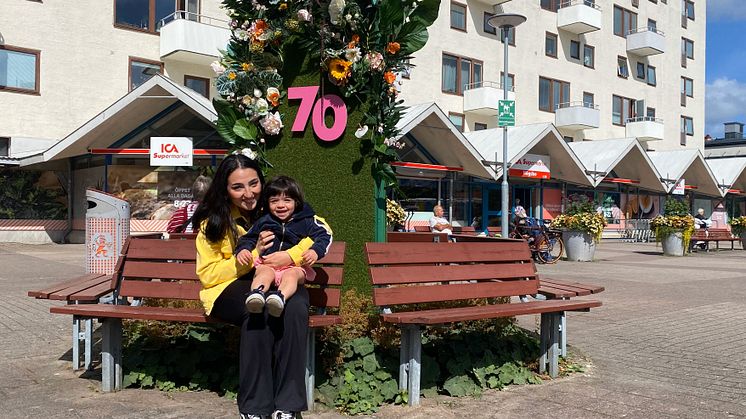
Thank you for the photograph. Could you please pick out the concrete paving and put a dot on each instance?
(668, 342)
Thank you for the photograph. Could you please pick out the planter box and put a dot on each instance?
(673, 244)
(579, 246)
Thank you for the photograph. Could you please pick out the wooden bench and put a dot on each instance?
(422, 229)
(419, 273)
(713, 235)
(397, 236)
(165, 269)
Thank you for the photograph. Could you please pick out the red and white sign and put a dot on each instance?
(534, 166)
(679, 188)
(171, 151)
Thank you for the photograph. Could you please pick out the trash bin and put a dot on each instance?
(107, 226)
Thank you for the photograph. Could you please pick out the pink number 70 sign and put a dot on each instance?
(316, 109)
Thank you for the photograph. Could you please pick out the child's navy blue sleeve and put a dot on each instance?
(321, 233)
(248, 241)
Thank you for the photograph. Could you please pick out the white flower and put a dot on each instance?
(272, 123)
(360, 132)
(247, 152)
(348, 17)
(257, 93)
(353, 54)
(336, 7)
(262, 107)
(246, 100)
(304, 15)
(241, 35)
(217, 67)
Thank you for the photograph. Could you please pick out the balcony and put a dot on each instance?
(482, 98)
(645, 128)
(646, 41)
(492, 2)
(192, 38)
(579, 16)
(576, 116)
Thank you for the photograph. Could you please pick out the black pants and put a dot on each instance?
(272, 371)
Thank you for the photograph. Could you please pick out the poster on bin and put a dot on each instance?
(533, 166)
(171, 151)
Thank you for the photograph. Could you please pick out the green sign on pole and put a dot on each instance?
(506, 115)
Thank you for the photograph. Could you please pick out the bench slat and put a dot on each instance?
(450, 292)
(66, 294)
(155, 289)
(419, 274)
(451, 315)
(324, 297)
(406, 253)
(69, 284)
(159, 270)
(591, 288)
(335, 255)
(155, 249)
(428, 237)
(93, 293)
(328, 275)
(555, 293)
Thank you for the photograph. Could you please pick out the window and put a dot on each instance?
(652, 25)
(650, 113)
(458, 73)
(550, 45)
(624, 21)
(621, 67)
(588, 100)
(458, 16)
(552, 93)
(687, 125)
(687, 86)
(457, 119)
(575, 49)
(589, 56)
(622, 109)
(641, 71)
(198, 84)
(651, 76)
(19, 69)
(142, 70)
(478, 126)
(486, 26)
(687, 48)
(142, 15)
(688, 9)
(4, 146)
(511, 80)
(511, 36)
(551, 5)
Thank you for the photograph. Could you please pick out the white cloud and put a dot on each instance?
(725, 102)
(726, 10)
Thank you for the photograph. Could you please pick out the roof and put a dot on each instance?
(729, 172)
(131, 110)
(673, 165)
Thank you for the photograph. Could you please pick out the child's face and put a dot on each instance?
(282, 206)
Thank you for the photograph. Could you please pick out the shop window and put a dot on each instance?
(141, 70)
(19, 69)
(458, 16)
(200, 85)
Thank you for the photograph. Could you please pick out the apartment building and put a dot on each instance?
(595, 69)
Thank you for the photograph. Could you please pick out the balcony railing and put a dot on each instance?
(574, 116)
(194, 17)
(192, 38)
(482, 97)
(646, 41)
(579, 16)
(645, 128)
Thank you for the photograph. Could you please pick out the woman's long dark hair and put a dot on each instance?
(216, 206)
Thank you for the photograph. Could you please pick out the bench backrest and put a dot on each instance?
(449, 271)
(154, 268)
(422, 229)
(464, 229)
(401, 236)
(713, 233)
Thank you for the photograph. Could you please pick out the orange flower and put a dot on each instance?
(389, 76)
(393, 47)
(355, 40)
(339, 70)
(283, 6)
(231, 76)
(247, 66)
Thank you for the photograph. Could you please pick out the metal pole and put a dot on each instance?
(505, 205)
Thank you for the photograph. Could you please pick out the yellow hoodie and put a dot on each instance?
(217, 266)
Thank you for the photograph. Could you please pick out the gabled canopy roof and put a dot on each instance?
(132, 110)
(427, 125)
(542, 138)
(624, 156)
(729, 172)
(673, 165)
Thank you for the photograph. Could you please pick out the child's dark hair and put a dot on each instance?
(283, 185)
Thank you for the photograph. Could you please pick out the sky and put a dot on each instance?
(726, 65)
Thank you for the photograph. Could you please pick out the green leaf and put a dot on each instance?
(245, 129)
(362, 346)
(370, 363)
(461, 385)
(130, 379)
(200, 336)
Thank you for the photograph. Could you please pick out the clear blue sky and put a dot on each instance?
(726, 64)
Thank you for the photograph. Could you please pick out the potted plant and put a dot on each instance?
(674, 228)
(738, 228)
(395, 215)
(581, 227)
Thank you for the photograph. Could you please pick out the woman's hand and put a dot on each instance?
(278, 259)
(309, 257)
(266, 238)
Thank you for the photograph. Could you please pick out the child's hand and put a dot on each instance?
(278, 259)
(244, 257)
(309, 257)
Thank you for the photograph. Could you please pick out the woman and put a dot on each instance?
(272, 349)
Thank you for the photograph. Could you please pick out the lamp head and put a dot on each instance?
(505, 20)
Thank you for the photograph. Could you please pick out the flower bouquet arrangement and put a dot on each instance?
(738, 226)
(676, 219)
(395, 214)
(581, 216)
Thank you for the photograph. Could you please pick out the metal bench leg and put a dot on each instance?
(88, 343)
(553, 351)
(111, 355)
(543, 343)
(415, 347)
(76, 343)
(404, 359)
(310, 367)
(563, 334)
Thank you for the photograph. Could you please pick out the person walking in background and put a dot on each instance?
(181, 219)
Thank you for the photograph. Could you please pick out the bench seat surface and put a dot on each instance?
(87, 287)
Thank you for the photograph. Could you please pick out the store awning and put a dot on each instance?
(673, 165)
(438, 141)
(132, 110)
(729, 172)
(541, 139)
(622, 159)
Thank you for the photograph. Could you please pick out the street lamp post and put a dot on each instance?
(504, 22)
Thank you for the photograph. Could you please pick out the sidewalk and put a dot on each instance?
(668, 342)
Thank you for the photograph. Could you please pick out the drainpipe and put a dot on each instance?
(69, 228)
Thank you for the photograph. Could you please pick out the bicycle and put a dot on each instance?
(546, 245)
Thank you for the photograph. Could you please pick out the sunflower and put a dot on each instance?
(339, 70)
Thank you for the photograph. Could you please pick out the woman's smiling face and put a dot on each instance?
(244, 189)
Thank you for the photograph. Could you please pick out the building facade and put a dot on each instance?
(595, 69)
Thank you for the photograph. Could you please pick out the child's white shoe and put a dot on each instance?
(275, 304)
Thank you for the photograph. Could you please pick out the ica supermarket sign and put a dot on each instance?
(171, 151)
(534, 166)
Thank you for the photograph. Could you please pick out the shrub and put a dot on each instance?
(580, 215)
(738, 225)
(676, 218)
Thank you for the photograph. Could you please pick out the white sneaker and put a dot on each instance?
(255, 302)
(275, 304)
(249, 416)
(280, 414)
